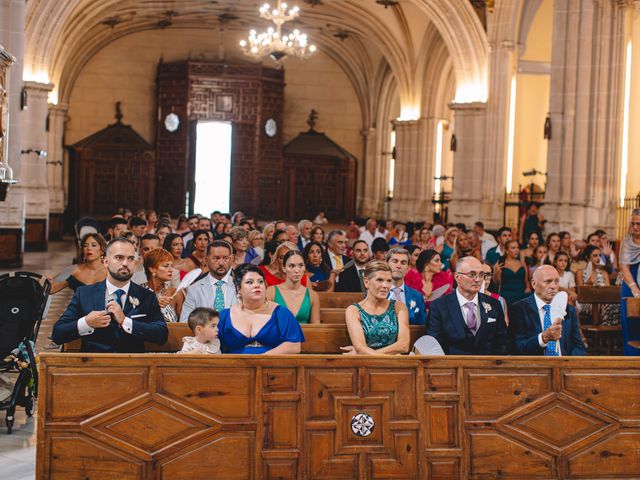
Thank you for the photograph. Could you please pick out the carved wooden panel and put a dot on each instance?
(333, 417)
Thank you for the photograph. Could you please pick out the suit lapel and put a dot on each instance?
(458, 320)
(533, 307)
(483, 318)
(99, 295)
(127, 304)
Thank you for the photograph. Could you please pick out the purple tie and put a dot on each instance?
(471, 317)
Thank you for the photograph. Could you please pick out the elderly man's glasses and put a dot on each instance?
(476, 275)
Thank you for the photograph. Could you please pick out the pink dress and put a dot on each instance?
(442, 283)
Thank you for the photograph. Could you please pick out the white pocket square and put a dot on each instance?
(138, 316)
(491, 320)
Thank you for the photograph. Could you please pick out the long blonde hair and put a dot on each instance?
(274, 258)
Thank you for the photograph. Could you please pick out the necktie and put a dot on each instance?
(550, 350)
(472, 322)
(361, 275)
(218, 302)
(118, 294)
(339, 264)
(397, 294)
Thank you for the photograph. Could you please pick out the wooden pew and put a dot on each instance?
(633, 314)
(339, 299)
(319, 338)
(332, 315)
(179, 417)
(596, 296)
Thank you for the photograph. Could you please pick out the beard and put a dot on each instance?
(120, 275)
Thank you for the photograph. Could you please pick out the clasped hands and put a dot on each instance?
(554, 332)
(102, 318)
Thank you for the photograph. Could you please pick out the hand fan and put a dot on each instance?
(188, 279)
(559, 305)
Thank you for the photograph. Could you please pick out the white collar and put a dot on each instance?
(111, 288)
(401, 287)
(463, 301)
(539, 302)
(214, 281)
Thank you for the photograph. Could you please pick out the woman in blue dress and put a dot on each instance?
(629, 262)
(376, 325)
(255, 325)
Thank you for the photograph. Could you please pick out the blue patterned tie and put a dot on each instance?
(118, 297)
(550, 350)
(218, 302)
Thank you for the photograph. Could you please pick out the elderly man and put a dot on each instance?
(398, 260)
(468, 322)
(534, 328)
(304, 233)
(114, 316)
(371, 232)
(216, 290)
(292, 234)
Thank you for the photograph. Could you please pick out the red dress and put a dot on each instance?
(272, 280)
(439, 281)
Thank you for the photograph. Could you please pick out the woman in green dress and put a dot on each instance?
(377, 325)
(303, 302)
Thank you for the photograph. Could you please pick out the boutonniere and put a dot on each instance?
(412, 304)
(486, 306)
(134, 302)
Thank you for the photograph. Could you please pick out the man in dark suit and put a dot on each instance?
(535, 330)
(351, 279)
(114, 316)
(467, 322)
(334, 255)
(398, 260)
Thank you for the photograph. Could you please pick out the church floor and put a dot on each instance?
(18, 450)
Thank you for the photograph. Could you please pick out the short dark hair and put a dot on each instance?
(503, 229)
(240, 272)
(149, 236)
(117, 240)
(116, 221)
(199, 232)
(201, 316)
(137, 222)
(191, 217)
(357, 242)
(594, 234)
(479, 224)
(279, 232)
(424, 258)
(379, 245)
(218, 244)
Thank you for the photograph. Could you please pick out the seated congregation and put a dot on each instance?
(224, 285)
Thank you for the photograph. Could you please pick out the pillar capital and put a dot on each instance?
(470, 106)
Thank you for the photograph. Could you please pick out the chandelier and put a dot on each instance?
(273, 42)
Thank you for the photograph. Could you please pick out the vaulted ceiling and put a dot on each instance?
(363, 36)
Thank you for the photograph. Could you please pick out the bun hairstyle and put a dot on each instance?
(240, 272)
(425, 258)
(374, 267)
(289, 254)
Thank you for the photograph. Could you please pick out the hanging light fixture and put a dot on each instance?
(273, 42)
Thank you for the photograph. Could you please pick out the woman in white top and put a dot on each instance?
(567, 281)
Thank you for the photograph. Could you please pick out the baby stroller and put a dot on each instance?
(81, 228)
(23, 296)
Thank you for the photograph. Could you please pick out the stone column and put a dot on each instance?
(12, 209)
(57, 169)
(587, 82)
(371, 175)
(468, 203)
(413, 182)
(33, 181)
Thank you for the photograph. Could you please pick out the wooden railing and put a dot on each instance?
(161, 416)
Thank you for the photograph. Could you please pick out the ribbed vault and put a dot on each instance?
(360, 35)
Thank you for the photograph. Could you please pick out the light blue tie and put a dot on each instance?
(550, 350)
(218, 301)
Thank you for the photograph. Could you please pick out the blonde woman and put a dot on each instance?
(274, 271)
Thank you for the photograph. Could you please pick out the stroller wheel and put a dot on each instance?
(30, 406)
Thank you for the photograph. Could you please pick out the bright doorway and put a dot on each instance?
(213, 167)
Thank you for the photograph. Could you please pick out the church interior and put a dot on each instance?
(420, 114)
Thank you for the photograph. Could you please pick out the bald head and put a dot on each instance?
(469, 276)
(466, 264)
(546, 282)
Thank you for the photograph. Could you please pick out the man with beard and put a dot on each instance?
(352, 277)
(216, 290)
(114, 316)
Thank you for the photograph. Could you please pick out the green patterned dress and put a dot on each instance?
(379, 330)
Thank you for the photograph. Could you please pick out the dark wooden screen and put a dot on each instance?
(193, 90)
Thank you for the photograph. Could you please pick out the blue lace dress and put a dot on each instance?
(379, 330)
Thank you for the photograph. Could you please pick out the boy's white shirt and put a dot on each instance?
(190, 344)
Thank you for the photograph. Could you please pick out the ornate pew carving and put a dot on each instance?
(169, 416)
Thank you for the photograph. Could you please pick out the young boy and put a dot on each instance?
(203, 322)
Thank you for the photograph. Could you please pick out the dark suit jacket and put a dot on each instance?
(349, 281)
(150, 326)
(446, 324)
(525, 325)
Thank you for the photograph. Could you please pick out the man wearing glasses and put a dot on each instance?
(468, 322)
